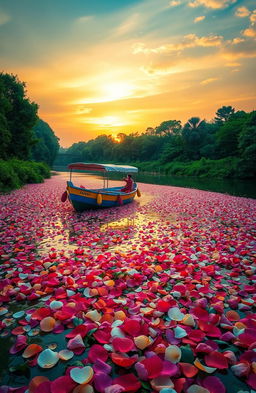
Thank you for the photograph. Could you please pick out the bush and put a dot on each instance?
(15, 173)
(9, 180)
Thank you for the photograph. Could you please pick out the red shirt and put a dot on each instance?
(129, 185)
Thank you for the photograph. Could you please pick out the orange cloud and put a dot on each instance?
(215, 4)
(250, 32)
(189, 41)
(174, 3)
(209, 80)
(253, 16)
(199, 19)
(242, 12)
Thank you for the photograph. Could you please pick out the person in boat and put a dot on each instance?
(129, 184)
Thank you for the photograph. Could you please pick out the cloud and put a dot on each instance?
(242, 12)
(253, 16)
(4, 18)
(209, 80)
(174, 3)
(232, 64)
(250, 32)
(199, 19)
(189, 41)
(241, 49)
(237, 40)
(215, 4)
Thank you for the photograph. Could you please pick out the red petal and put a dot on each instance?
(97, 352)
(128, 381)
(188, 369)
(131, 326)
(122, 344)
(122, 360)
(44, 387)
(153, 365)
(196, 335)
(252, 381)
(102, 336)
(214, 385)
(216, 359)
(80, 329)
(63, 385)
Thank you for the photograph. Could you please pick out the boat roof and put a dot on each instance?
(88, 166)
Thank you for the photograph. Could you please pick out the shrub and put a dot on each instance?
(9, 180)
(15, 173)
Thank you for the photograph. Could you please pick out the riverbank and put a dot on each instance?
(16, 173)
(169, 277)
(225, 168)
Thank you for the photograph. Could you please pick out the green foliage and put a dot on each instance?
(224, 168)
(247, 147)
(47, 144)
(15, 173)
(17, 117)
(169, 127)
(227, 136)
(9, 180)
(223, 114)
(222, 149)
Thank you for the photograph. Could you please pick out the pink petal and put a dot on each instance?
(129, 382)
(101, 382)
(97, 352)
(63, 384)
(214, 385)
(122, 344)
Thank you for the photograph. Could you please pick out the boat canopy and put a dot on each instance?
(84, 166)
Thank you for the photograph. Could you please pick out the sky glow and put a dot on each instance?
(123, 66)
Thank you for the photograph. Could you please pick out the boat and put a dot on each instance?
(84, 198)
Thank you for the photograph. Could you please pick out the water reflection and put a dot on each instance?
(236, 187)
(244, 188)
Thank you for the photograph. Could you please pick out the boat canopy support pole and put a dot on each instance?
(70, 174)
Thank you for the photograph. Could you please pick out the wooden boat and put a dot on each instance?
(83, 198)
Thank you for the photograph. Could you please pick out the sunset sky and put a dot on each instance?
(110, 66)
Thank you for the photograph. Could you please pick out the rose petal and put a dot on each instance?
(122, 344)
(173, 354)
(32, 350)
(214, 385)
(216, 359)
(47, 358)
(81, 375)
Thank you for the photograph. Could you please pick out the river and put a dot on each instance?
(243, 188)
(158, 291)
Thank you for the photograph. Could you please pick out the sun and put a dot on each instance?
(116, 138)
(117, 90)
(110, 121)
(107, 92)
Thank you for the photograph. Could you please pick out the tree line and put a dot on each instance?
(23, 135)
(228, 140)
(28, 146)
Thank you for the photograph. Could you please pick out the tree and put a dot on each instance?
(5, 137)
(193, 137)
(47, 145)
(150, 131)
(247, 146)
(168, 127)
(173, 150)
(227, 136)
(223, 114)
(18, 116)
